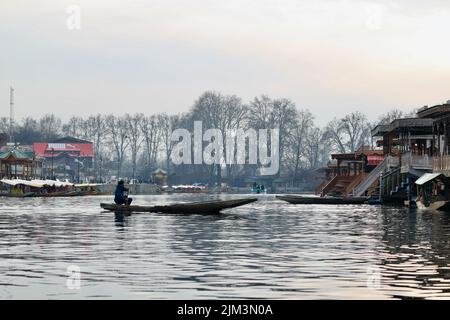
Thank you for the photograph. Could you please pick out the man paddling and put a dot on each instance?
(119, 196)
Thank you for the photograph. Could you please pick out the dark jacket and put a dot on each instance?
(119, 196)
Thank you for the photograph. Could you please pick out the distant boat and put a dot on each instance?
(259, 191)
(322, 200)
(19, 188)
(206, 207)
(192, 188)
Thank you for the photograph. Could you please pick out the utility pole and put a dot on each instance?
(11, 115)
(78, 179)
(53, 174)
(101, 163)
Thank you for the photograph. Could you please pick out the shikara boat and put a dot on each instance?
(19, 188)
(322, 200)
(433, 192)
(207, 207)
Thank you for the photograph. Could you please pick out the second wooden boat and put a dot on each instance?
(322, 200)
(207, 207)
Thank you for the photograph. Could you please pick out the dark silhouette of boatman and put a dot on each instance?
(119, 196)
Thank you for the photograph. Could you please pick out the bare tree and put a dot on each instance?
(388, 117)
(298, 139)
(312, 147)
(28, 132)
(235, 117)
(334, 135)
(167, 125)
(209, 108)
(133, 124)
(117, 129)
(150, 128)
(349, 133)
(97, 125)
(260, 112)
(284, 117)
(73, 127)
(4, 125)
(357, 129)
(50, 127)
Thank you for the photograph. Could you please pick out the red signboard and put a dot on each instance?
(374, 160)
(73, 149)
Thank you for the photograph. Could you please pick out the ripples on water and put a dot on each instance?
(267, 249)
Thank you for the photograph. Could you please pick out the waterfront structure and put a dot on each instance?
(407, 149)
(66, 157)
(440, 114)
(18, 163)
(348, 170)
(159, 177)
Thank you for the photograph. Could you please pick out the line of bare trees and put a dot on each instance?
(135, 145)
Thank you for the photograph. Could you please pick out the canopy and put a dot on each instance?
(427, 177)
(81, 185)
(188, 187)
(36, 183)
(15, 182)
(374, 160)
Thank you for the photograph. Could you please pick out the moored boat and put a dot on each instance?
(433, 192)
(206, 207)
(18, 188)
(293, 199)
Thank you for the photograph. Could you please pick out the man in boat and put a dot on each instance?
(119, 196)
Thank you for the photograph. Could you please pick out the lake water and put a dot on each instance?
(267, 249)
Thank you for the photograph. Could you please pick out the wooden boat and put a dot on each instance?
(374, 201)
(18, 195)
(19, 188)
(322, 200)
(207, 207)
(433, 192)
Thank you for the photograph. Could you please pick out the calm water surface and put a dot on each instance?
(268, 249)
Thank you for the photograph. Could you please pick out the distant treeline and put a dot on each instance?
(134, 145)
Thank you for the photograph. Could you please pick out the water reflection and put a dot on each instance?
(267, 249)
(415, 257)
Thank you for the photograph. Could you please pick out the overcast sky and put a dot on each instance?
(330, 56)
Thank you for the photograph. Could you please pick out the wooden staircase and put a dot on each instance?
(342, 185)
(355, 182)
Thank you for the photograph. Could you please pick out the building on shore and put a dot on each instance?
(347, 171)
(66, 158)
(414, 162)
(160, 177)
(440, 115)
(434, 188)
(407, 149)
(19, 163)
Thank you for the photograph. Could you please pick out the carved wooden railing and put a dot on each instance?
(441, 164)
(414, 161)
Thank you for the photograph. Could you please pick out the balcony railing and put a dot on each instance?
(441, 164)
(392, 162)
(414, 161)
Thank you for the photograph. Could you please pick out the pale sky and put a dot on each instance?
(330, 56)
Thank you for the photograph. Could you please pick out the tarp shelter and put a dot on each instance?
(427, 177)
(36, 183)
